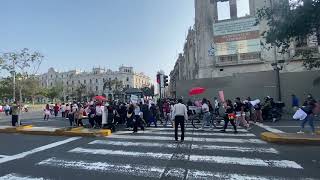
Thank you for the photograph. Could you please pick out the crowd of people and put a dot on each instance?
(148, 112)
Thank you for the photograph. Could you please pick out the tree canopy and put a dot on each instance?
(293, 21)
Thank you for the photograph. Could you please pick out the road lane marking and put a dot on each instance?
(193, 158)
(147, 171)
(14, 176)
(127, 143)
(202, 134)
(185, 146)
(163, 138)
(245, 161)
(39, 149)
(235, 148)
(268, 128)
(126, 169)
(194, 129)
(195, 174)
(122, 153)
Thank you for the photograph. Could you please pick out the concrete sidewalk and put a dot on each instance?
(53, 131)
(291, 138)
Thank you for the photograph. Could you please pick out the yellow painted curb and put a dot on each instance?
(24, 127)
(277, 138)
(105, 132)
(80, 131)
(77, 129)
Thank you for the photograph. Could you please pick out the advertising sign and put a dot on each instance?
(236, 36)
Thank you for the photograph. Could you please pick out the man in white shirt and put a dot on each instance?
(179, 114)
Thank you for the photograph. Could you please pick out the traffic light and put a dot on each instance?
(165, 80)
(158, 78)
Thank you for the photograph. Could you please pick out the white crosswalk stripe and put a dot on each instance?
(164, 138)
(202, 134)
(194, 129)
(128, 169)
(155, 146)
(186, 146)
(195, 158)
(149, 171)
(14, 176)
(195, 174)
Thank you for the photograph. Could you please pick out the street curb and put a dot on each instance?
(278, 138)
(57, 131)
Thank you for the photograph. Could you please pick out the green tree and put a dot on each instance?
(148, 91)
(24, 63)
(80, 92)
(53, 93)
(293, 21)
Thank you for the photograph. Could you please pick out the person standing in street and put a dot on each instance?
(56, 109)
(311, 109)
(206, 114)
(67, 111)
(7, 109)
(229, 116)
(179, 114)
(15, 109)
(63, 110)
(153, 115)
(46, 112)
(216, 106)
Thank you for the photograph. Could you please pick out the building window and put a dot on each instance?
(233, 9)
(96, 80)
(223, 10)
(90, 81)
(109, 79)
(67, 82)
(84, 81)
(79, 82)
(127, 79)
(72, 82)
(96, 88)
(51, 84)
(51, 76)
(243, 8)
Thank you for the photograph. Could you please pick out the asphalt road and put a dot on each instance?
(154, 155)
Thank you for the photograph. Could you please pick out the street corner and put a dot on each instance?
(10, 129)
(291, 138)
(80, 131)
(52, 131)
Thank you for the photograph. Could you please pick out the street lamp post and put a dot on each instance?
(278, 66)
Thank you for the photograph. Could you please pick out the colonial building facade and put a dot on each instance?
(225, 40)
(94, 81)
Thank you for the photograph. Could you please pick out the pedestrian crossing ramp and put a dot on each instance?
(154, 154)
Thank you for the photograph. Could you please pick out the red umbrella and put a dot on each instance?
(196, 91)
(101, 98)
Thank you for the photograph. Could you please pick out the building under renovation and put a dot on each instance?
(226, 41)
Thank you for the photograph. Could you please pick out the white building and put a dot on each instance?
(93, 81)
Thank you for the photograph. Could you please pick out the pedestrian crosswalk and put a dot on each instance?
(153, 154)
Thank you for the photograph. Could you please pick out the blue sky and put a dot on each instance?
(145, 34)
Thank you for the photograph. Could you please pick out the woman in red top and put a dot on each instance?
(56, 109)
